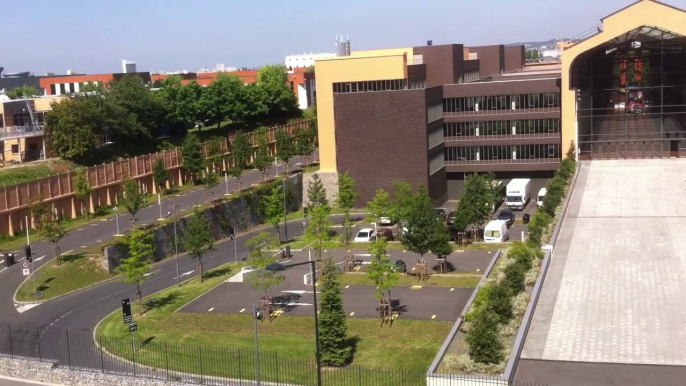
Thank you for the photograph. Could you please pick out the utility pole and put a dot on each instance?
(285, 211)
(174, 209)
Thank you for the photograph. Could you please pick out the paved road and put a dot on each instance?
(15, 382)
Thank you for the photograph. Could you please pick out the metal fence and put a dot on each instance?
(151, 359)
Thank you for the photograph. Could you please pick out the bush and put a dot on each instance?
(522, 253)
(500, 302)
(569, 167)
(514, 278)
(520, 303)
(467, 364)
(484, 344)
(537, 226)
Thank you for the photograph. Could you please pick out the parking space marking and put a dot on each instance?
(83, 246)
(352, 313)
(17, 251)
(211, 309)
(80, 229)
(1, 270)
(94, 225)
(98, 241)
(242, 310)
(345, 286)
(416, 287)
(433, 316)
(452, 289)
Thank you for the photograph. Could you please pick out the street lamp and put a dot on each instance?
(116, 216)
(285, 212)
(175, 210)
(257, 315)
(279, 267)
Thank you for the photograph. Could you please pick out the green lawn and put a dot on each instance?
(76, 271)
(406, 345)
(32, 171)
(458, 280)
(310, 169)
(487, 246)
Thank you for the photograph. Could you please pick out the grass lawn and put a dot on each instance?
(310, 169)
(32, 171)
(76, 271)
(487, 246)
(456, 280)
(407, 345)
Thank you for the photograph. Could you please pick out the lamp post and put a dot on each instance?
(279, 267)
(256, 315)
(285, 212)
(174, 209)
(116, 216)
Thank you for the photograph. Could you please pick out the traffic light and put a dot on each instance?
(232, 233)
(27, 249)
(305, 212)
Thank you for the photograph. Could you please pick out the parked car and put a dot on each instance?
(440, 213)
(496, 232)
(450, 220)
(385, 232)
(364, 235)
(506, 215)
(385, 221)
(635, 108)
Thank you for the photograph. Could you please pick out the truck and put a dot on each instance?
(518, 193)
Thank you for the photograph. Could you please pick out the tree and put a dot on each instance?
(381, 271)
(132, 198)
(255, 99)
(39, 211)
(476, 201)
(83, 190)
(333, 330)
(346, 199)
(160, 174)
(401, 205)
(223, 99)
(181, 103)
(421, 224)
(273, 208)
(240, 151)
(571, 152)
(135, 267)
(262, 158)
(214, 151)
(482, 337)
(319, 230)
(53, 231)
(197, 239)
(439, 241)
(20, 92)
(306, 142)
(261, 278)
(193, 161)
(316, 193)
(285, 147)
(280, 98)
(130, 93)
(210, 180)
(379, 206)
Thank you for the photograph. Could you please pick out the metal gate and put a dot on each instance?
(632, 149)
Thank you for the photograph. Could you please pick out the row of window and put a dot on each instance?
(506, 152)
(435, 138)
(436, 163)
(502, 128)
(501, 102)
(379, 85)
(24, 119)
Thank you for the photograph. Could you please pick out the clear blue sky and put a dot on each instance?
(93, 36)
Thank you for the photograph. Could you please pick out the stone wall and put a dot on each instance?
(52, 374)
(328, 179)
(242, 212)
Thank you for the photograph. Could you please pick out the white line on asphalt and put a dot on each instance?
(186, 273)
(21, 259)
(151, 273)
(298, 163)
(1, 270)
(69, 251)
(94, 225)
(39, 258)
(17, 251)
(80, 229)
(2, 261)
(299, 292)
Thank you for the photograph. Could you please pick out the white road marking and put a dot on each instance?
(186, 273)
(300, 292)
(2, 261)
(21, 259)
(67, 252)
(39, 258)
(290, 304)
(1, 270)
(152, 273)
(25, 307)
(299, 163)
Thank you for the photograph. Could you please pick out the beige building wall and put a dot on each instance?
(374, 65)
(644, 13)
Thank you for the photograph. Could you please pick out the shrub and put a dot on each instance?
(571, 152)
(569, 166)
(537, 226)
(514, 278)
(484, 344)
(520, 302)
(500, 302)
(522, 253)
(467, 364)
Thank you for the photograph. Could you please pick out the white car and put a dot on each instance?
(365, 235)
(385, 221)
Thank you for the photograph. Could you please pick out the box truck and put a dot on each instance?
(518, 193)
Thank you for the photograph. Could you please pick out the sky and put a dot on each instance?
(93, 36)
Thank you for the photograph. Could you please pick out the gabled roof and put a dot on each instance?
(640, 1)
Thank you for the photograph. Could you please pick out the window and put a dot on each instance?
(436, 163)
(435, 138)
(15, 149)
(434, 112)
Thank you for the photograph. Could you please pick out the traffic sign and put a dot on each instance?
(126, 310)
(25, 264)
(133, 327)
(26, 271)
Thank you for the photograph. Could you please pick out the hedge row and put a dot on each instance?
(493, 305)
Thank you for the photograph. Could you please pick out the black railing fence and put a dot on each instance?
(151, 359)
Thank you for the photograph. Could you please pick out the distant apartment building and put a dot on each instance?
(306, 60)
(128, 67)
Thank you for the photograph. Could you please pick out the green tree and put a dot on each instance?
(346, 199)
(476, 200)
(160, 174)
(421, 224)
(255, 99)
(214, 151)
(273, 208)
(482, 338)
(439, 241)
(240, 152)
(193, 161)
(132, 198)
(260, 259)
(280, 98)
(130, 93)
(181, 103)
(83, 190)
(285, 147)
(20, 92)
(134, 268)
(380, 206)
(223, 99)
(381, 271)
(306, 142)
(54, 232)
(262, 158)
(316, 193)
(197, 238)
(319, 230)
(210, 180)
(333, 330)
(403, 198)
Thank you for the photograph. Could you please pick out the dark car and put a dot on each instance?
(452, 216)
(399, 265)
(507, 215)
(440, 214)
(385, 232)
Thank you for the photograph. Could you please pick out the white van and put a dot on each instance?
(541, 196)
(496, 232)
